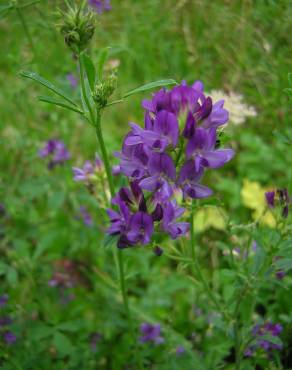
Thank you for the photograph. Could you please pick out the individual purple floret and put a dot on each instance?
(259, 331)
(94, 338)
(86, 172)
(270, 198)
(280, 198)
(3, 300)
(151, 333)
(9, 337)
(100, 5)
(85, 216)
(72, 80)
(166, 157)
(280, 274)
(56, 151)
(180, 350)
(158, 251)
(171, 213)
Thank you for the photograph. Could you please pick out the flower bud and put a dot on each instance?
(104, 90)
(77, 27)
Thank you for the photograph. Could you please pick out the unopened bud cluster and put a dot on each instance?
(104, 90)
(78, 27)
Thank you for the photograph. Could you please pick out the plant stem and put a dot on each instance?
(25, 28)
(120, 252)
(97, 124)
(104, 154)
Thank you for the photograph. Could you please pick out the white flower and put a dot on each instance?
(238, 109)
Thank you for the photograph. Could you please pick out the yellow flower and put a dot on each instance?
(208, 217)
(253, 197)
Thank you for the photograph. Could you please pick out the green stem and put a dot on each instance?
(97, 124)
(25, 28)
(104, 154)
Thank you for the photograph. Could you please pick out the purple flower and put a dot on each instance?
(180, 350)
(3, 300)
(189, 178)
(259, 331)
(170, 153)
(170, 213)
(94, 338)
(88, 169)
(82, 174)
(151, 333)
(140, 228)
(163, 133)
(72, 80)
(280, 274)
(201, 147)
(270, 198)
(85, 216)
(9, 337)
(158, 251)
(57, 152)
(133, 160)
(100, 5)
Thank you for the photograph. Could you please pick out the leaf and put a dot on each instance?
(63, 344)
(110, 240)
(12, 276)
(71, 326)
(4, 9)
(284, 264)
(89, 69)
(35, 77)
(151, 85)
(53, 101)
(258, 260)
(103, 55)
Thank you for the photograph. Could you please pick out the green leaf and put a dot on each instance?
(103, 55)
(151, 85)
(35, 77)
(4, 9)
(60, 103)
(258, 260)
(71, 326)
(110, 240)
(89, 69)
(63, 344)
(284, 264)
(29, 4)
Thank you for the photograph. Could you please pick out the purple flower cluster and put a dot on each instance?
(279, 197)
(151, 333)
(260, 342)
(100, 5)
(5, 321)
(56, 151)
(171, 153)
